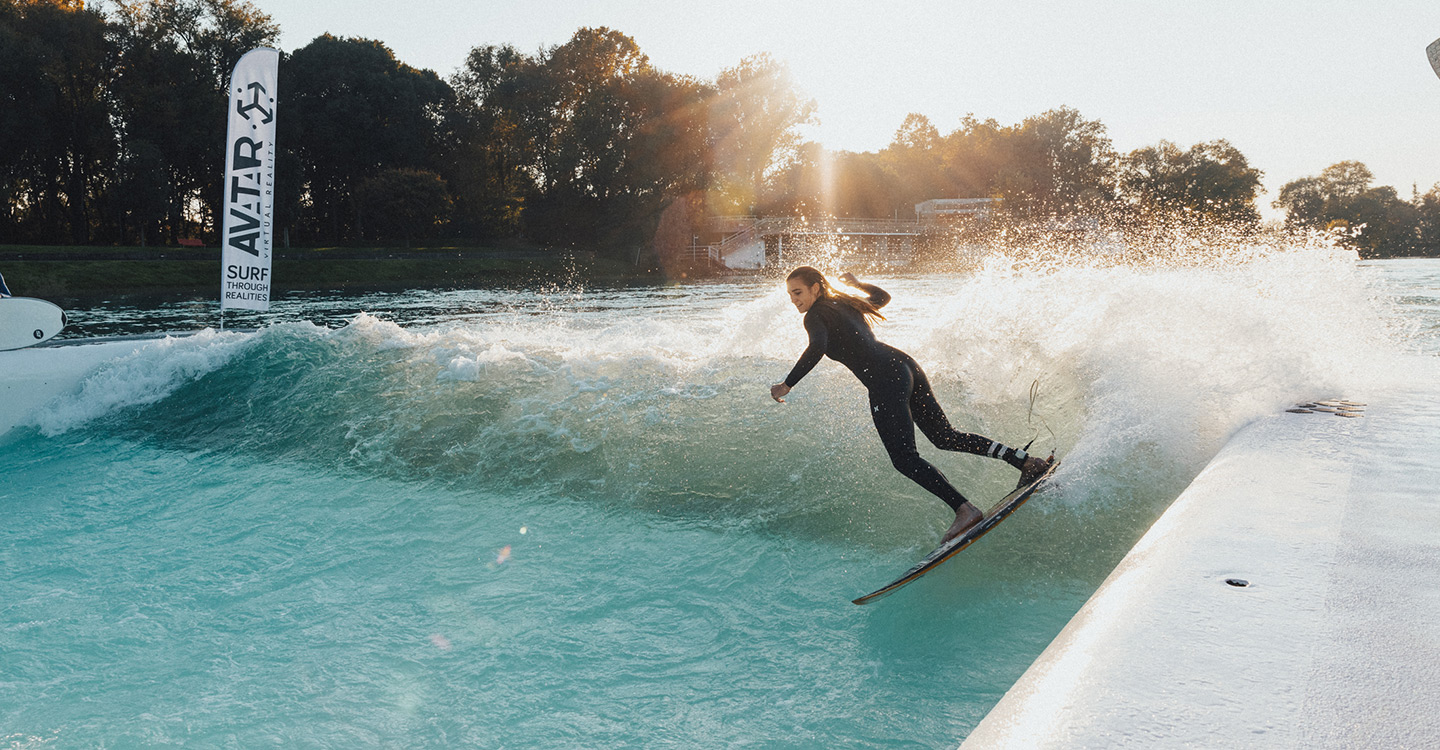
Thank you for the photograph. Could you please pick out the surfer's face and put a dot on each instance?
(802, 296)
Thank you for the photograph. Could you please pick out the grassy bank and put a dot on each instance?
(71, 272)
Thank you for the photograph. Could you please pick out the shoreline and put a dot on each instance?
(76, 273)
(79, 275)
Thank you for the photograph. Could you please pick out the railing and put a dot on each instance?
(856, 226)
(757, 228)
(747, 225)
(745, 230)
(729, 224)
(703, 253)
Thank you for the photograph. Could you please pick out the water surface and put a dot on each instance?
(572, 517)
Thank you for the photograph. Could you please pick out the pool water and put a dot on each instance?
(570, 517)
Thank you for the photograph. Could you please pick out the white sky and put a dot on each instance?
(1295, 85)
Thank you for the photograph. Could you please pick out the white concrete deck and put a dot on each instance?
(1335, 523)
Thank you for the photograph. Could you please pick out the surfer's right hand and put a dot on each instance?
(778, 392)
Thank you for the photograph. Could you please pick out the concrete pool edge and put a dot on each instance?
(1281, 601)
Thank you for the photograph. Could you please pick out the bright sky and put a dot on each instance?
(1296, 85)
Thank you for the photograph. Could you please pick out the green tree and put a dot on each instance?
(864, 186)
(1383, 225)
(589, 138)
(56, 60)
(668, 154)
(22, 87)
(593, 86)
(1054, 163)
(352, 110)
(170, 97)
(754, 120)
(1059, 163)
(913, 166)
(820, 183)
(402, 204)
(147, 201)
(228, 29)
(1209, 182)
(973, 157)
(1303, 202)
(1375, 220)
(797, 188)
(1316, 201)
(590, 76)
(491, 139)
(1427, 226)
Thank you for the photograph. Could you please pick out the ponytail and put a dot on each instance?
(810, 276)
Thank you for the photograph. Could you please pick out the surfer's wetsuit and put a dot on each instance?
(900, 395)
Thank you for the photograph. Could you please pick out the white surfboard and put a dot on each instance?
(26, 321)
(997, 513)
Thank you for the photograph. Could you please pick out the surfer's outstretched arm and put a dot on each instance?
(819, 340)
(877, 296)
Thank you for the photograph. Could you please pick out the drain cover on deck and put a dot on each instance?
(1339, 408)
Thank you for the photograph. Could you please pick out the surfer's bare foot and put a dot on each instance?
(1034, 468)
(967, 516)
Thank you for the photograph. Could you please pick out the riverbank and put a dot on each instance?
(78, 272)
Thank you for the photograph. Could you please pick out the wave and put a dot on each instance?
(659, 397)
(143, 377)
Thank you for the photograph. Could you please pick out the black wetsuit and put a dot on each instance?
(900, 395)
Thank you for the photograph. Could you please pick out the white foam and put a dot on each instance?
(1148, 363)
(29, 378)
(1168, 360)
(1138, 365)
(144, 376)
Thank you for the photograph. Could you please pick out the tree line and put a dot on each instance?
(114, 119)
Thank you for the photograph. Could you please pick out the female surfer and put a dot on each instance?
(900, 395)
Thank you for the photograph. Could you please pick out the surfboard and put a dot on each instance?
(26, 321)
(999, 512)
(1433, 52)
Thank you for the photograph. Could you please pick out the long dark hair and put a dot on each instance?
(810, 276)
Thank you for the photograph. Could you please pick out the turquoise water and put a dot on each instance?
(572, 517)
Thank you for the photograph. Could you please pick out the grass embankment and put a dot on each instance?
(70, 271)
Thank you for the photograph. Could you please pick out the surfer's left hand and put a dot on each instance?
(778, 392)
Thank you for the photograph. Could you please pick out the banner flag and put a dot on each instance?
(248, 207)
